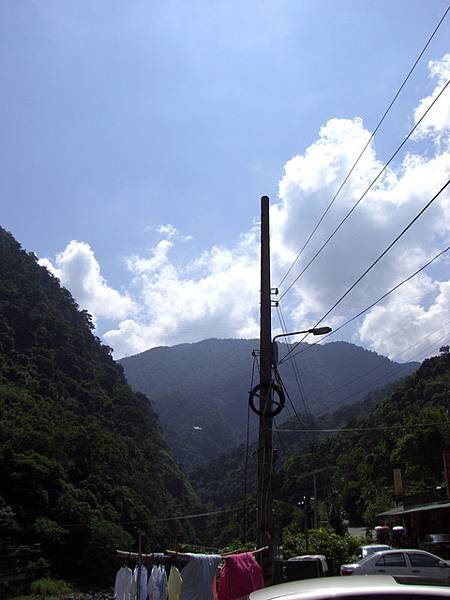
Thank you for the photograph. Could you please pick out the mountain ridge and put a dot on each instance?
(200, 389)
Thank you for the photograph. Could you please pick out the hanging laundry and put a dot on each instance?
(240, 576)
(154, 590)
(162, 581)
(123, 582)
(198, 576)
(174, 584)
(139, 584)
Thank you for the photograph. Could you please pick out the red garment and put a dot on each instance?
(240, 576)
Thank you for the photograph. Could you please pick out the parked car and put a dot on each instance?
(411, 562)
(362, 552)
(352, 588)
(437, 543)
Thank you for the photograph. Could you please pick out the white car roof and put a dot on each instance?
(335, 587)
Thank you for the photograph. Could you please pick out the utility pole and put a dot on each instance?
(315, 500)
(264, 518)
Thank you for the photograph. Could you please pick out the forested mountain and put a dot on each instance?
(353, 466)
(200, 390)
(221, 482)
(82, 459)
(354, 469)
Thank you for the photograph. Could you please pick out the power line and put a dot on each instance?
(363, 429)
(397, 369)
(198, 515)
(247, 445)
(295, 367)
(139, 521)
(368, 307)
(366, 146)
(365, 192)
(377, 260)
(365, 309)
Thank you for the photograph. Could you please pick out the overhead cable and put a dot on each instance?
(363, 429)
(380, 122)
(295, 367)
(372, 265)
(397, 370)
(361, 312)
(383, 169)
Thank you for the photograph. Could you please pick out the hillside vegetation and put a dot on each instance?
(354, 468)
(405, 427)
(82, 459)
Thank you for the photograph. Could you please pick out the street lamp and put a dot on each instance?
(314, 331)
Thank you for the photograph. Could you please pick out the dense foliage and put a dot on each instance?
(354, 469)
(82, 459)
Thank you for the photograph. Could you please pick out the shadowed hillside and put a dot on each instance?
(200, 391)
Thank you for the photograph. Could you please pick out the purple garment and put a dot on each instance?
(240, 576)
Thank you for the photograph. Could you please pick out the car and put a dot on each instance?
(437, 543)
(383, 587)
(360, 553)
(408, 562)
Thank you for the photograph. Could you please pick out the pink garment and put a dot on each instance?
(240, 576)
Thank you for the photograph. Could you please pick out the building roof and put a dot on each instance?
(400, 510)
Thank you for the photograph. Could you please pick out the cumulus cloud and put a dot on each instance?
(78, 270)
(212, 295)
(217, 292)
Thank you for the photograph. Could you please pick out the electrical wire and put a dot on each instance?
(377, 260)
(396, 287)
(280, 441)
(139, 521)
(247, 445)
(295, 368)
(365, 192)
(363, 429)
(380, 122)
(398, 369)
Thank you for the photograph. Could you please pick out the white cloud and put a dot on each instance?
(217, 292)
(168, 230)
(396, 325)
(437, 122)
(213, 295)
(78, 270)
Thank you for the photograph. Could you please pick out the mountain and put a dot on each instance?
(200, 390)
(222, 481)
(348, 470)
(83, 462)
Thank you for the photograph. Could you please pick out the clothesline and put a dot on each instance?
(173, 553)
(234, 552)
(200, 578)
(136, 554)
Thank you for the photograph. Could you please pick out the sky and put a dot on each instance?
(138, 137)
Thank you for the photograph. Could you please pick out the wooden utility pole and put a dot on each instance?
(264, 519)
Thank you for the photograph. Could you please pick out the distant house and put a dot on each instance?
(419, 514)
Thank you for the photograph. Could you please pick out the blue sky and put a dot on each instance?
(122, 117)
